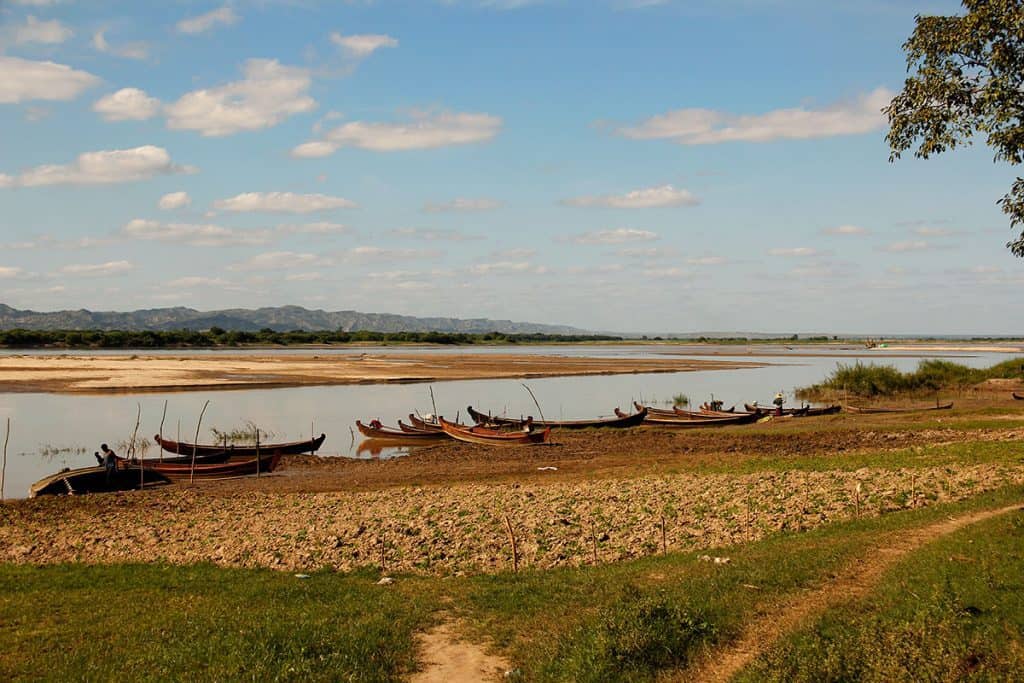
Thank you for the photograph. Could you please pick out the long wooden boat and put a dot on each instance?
(866, 410)
(236, 467)
(493, 437)
(1018, 396)
(706, 407)
(94, 480)
(378, 431)
(290, 448)
(420, 423)
(611, 422)
(673, 413)
(679, 422)
(208, 459)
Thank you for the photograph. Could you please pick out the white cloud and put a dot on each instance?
(22, 80)
(846, 230)
(10, 272)
(98, 168)
(370, 253)
(282, 202)
(425, 131)
(193, 235)
(318, 228)
(127, 104)
(463, 204)
(666, 273)
(304, 277)
(434, 235)
(506, 268)
(520, 253)
(269, 94)
(708, 126)
(276, 260)
(224, 16)
(43, 32)
(197, 281)
(932, 231)
(98, 269)
(617, 236)
(362, 46)
(793, 251)
(650, 197)
(905, 246)
(707, 261)
(174, 200)
(136, 50)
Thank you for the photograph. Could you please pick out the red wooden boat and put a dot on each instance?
(672, 413)
(614, 422)
(291, 448)
(493, 437)
(1018, 396)
(872, 411)
(375, 430)
(236, 467)
(698, 423)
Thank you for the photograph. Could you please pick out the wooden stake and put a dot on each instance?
(434, 405)
(593, 540)
(383, 563)
(664, 540)
(164, 417)
(131, 447)
(3, 466)
(857, 498)
(512, 540)
(913, 488)
(536, 403)
(257, 452)
(195, 445)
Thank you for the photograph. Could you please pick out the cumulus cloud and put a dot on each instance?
(846, 230)
(793, 251)
(506, 268)
(905, 246)
(659, 273)
(434, 235)
(371, 253)
(932, 231)
(617, 236)
(10, 272)
(22, 80)
(276, 260)
(425, 131)
(282, 202)
(223, 16)
(197, 281)
(99, 168)
(193, 235)
(647, 198)
(98, 269)
(269, 94)
(707, 261)
(362, 46)
(127, 104)
(317, 228)
(42, 32)
(136, 50)
(707, 126)
(174, 200)
(463, 204)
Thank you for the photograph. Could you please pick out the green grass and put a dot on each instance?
(158, 623)
(626, 621)
(931, 375)
(952, 611)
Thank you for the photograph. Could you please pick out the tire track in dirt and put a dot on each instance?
(853, 583)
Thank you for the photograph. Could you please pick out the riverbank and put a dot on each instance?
(145, 373)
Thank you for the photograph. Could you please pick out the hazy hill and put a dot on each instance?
(282, 318)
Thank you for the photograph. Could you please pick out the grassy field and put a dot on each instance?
(624, 621)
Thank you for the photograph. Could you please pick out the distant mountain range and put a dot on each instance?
(281, 319)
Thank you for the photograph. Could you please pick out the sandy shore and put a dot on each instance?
(104, 374)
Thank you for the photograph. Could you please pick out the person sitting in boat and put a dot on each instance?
(716, 405)
(376, 424)
(779, 401)
(108, 460)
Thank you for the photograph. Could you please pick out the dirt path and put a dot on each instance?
(448, 658)
(854, 583)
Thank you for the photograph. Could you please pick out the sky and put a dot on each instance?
(651, 166)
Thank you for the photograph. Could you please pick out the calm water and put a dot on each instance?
(51, 431)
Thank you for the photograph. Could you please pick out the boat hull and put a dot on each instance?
(94, 480)
(490, 437)
(292, 448)
(620, 421)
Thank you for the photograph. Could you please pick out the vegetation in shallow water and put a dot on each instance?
(885, 380)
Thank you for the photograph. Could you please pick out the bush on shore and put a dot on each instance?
(930, 376)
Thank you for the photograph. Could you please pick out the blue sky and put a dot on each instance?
(616, 165)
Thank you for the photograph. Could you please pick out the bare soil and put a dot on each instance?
(449, 658)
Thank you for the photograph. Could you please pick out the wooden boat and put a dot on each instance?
(673, 413)
(706, 407)
(698, 415)
(184, 459)
(406, 433)
(698, 423)
(493, 437)
(94, 480)
(1018, 396)
(805, 411)
(236, 467)
(420, 423)
(291, 448)
(613, 422)
(872, 411)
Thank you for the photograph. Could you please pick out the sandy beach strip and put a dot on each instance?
(138, 373)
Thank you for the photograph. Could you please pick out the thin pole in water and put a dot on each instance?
(195, 445)
(162, 419)
(3, 467)
(433, 404)
(257, 452)
(131, 446)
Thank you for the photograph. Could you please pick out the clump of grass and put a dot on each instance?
(635, 636)
(930, 376)
(246, 434)
(680, 400)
